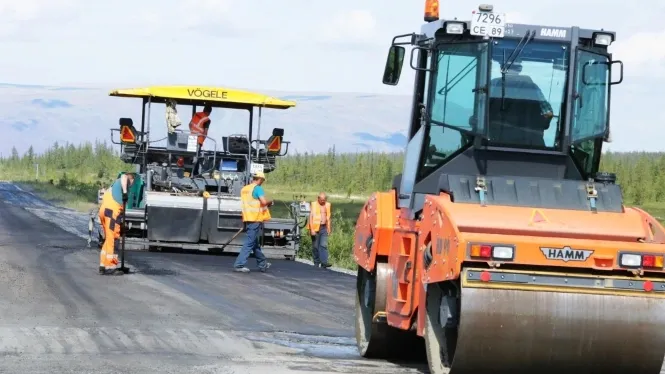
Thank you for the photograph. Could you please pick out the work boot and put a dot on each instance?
(325, 266)
(102, 270)
(241, 270)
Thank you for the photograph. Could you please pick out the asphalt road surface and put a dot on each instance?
(183, 313)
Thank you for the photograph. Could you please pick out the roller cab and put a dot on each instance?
(501, 247)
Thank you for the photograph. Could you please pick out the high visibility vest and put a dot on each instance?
(252, 211)
(315, 222)
(196, 126)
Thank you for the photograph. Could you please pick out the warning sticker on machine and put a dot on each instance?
(256, 168)
(566, 254)
(191, 143)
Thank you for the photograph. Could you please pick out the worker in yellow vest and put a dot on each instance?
(254, 213)
(320, 228)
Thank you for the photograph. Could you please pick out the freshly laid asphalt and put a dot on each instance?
(184, 313)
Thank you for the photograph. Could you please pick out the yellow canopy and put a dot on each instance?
(199, 95)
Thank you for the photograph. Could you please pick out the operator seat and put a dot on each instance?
(277, 136)
(518, 118)
(520, 122)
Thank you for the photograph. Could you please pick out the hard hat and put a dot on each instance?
(259, 174)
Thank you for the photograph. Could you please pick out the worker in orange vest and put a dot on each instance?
(200, 124)
(320, 228)
(254, 213)
(111, 216)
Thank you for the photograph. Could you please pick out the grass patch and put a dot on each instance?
(347, 209)
(340, 242)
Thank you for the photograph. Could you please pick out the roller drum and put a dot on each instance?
(544, 331)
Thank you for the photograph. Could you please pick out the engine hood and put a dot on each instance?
(626, 226)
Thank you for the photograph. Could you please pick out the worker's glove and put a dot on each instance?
(124, 198)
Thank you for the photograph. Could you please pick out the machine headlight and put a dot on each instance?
(454, 27)
(631, 260)
(603, 39)
(504, 253)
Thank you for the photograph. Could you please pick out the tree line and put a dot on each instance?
(641, 174)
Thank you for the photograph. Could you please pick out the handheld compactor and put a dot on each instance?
(501, 246)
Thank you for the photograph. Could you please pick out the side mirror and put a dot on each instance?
(393, 65)
(601, 69)
(620, 72)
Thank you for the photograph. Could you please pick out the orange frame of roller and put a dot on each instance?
(467, 234)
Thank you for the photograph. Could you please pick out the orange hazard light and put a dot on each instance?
(275, 144)
(127, 135)
(431, 10)
(652, 261)
(501, 252)
(481, 251)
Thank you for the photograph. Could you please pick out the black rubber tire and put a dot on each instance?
(438, 356)
(380, 340)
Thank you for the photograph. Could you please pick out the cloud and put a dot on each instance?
(49, 104)
(306, 98)
(24, 125)
(31, 10)
(642, 54)
(351, 26)
(518, 17)
(215, 18)
(18, 18)
(15, 85)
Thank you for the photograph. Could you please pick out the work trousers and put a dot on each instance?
(254, 229)
(320, 246)
(110, 219)
(197, 160)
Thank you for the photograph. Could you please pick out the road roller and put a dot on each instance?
(501, 247)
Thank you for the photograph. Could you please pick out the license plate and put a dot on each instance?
(488, 24)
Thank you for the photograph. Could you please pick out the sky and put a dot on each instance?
(298, 45)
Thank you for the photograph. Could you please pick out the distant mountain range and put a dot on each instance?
(41, 115)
